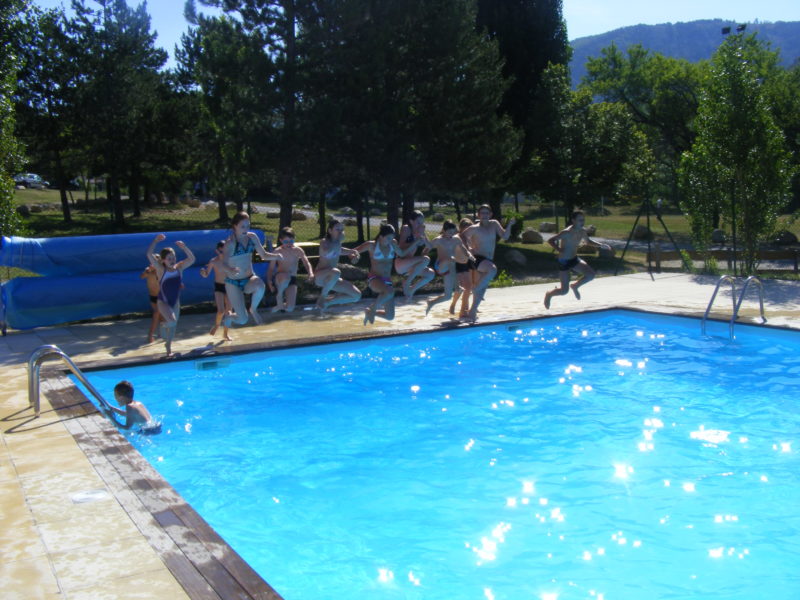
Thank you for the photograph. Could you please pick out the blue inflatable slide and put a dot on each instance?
(95, 276)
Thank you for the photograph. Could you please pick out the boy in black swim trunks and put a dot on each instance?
(566, 243)
(151, 276)
(286, 274)
(217, 264)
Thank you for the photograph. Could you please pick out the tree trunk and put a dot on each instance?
(115, 198)
(62, 188)
(222, 204)
(322, 218)
(393, 206)
(496, 204)
(134, 194)
(408, 206)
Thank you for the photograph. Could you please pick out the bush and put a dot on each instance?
(517, 227)
(502, 280)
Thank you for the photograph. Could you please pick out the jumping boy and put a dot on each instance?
(286, 275)
(450, 253)
(217, 264)
(566, 243)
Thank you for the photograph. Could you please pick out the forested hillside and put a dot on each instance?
(693, 41)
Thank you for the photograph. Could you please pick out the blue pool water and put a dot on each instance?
(602, 456)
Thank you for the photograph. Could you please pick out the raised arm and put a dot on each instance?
(504, 233)
(151, 251)
(265, 256)
(189, 260)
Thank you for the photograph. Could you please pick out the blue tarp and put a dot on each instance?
(73, 288)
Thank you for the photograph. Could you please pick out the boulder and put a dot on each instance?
(718, 236)
(273, 214)
(350, 222)
(530, 236)
(195, 203)
(587, 249)
(36, 208)
(437, 217)
(23, 210)
(346, 210)
(607, 252)
(785, 238)
(516, 257)
(590, 230)
(298, 215)
(547, 227)
(642, 232)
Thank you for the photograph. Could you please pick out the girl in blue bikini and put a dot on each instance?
(170, 282)
(238, 258)
(382, 252)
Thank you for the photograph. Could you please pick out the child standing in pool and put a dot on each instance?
(135, 413)
(170, 282)
(566, 243)
(449, 249)
(151, 278)
(286, 276)
(217, 265)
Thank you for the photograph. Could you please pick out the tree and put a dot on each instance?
(119, 67)
(738, 164)
(661, 94)
(45, 101)
(10, 153)
(531, 35)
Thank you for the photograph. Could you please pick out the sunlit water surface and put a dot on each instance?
(602, 456)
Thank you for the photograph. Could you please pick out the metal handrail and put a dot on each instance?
(34, 365)
(721, 280)
(747, 282)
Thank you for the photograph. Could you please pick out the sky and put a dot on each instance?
(583, 17)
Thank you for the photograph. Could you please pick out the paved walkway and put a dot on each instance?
(64, 536)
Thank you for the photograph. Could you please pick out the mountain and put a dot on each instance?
(693, 41)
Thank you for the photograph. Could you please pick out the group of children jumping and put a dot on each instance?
(464, 260)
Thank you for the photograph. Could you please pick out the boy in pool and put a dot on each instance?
(566, 243)
(135, 412)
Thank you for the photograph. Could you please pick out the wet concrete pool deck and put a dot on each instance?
(72, 526)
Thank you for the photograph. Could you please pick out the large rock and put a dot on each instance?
(587, 249)
(273, 214)
(298, 215)
(23, 210)
(718, 236)
(590, 230)
(547, 227)
(607, 252)
(516, 257)
(529, 236)
(349, 222)
(642, 232)
(438, 217)
(785, 238)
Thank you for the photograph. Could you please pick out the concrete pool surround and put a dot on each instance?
(83, 515)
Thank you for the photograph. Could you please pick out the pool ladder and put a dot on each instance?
(35, 361)
(736, 304)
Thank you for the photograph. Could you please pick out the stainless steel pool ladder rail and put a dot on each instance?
(35, 361)
(736, 304)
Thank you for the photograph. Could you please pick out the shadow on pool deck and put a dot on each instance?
(72, 528)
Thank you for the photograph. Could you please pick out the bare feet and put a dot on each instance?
(227, 337)
(213, 330)
(575, 291)
(369, 315)
(547, 297)
(276, 308)
(428, 306)
(256, 317)
(150, 339)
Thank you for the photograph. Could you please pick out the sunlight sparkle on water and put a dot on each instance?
(622, 471)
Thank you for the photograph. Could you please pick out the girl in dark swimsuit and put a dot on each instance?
(170, 279)
(415, 268)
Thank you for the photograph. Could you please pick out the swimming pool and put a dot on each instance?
(605, 455)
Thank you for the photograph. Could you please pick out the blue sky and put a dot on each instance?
(584, 17)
